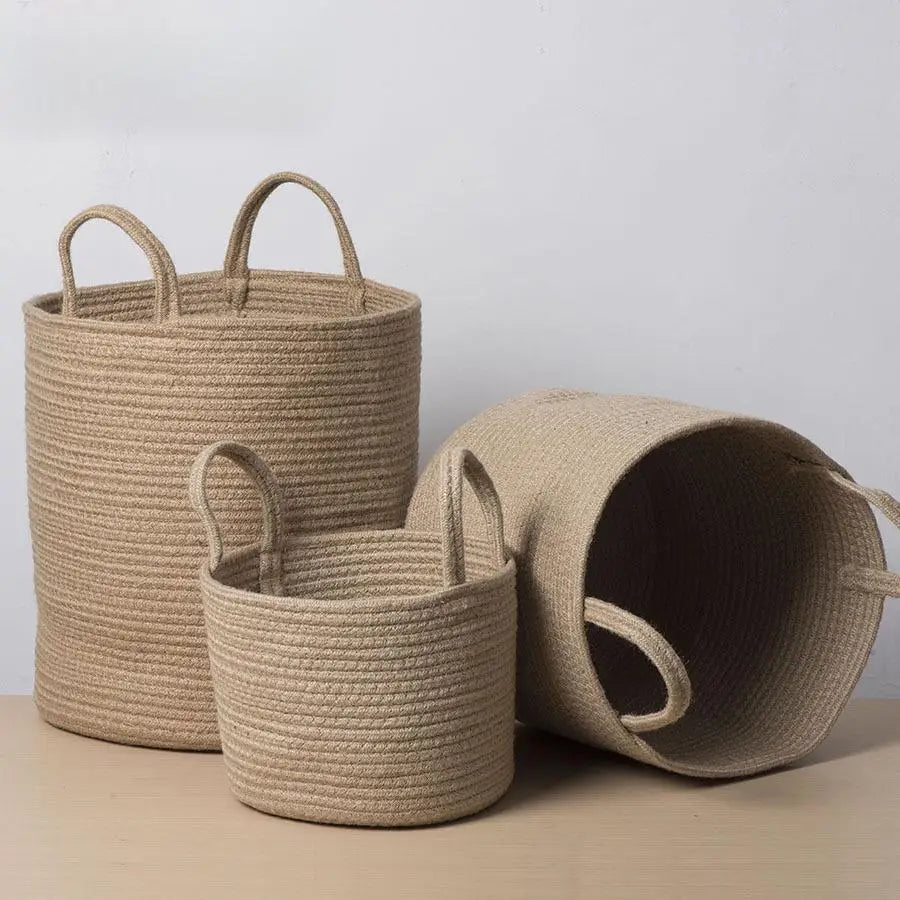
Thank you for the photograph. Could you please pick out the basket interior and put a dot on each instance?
(733, 552)
(359, 566)
(270, 294)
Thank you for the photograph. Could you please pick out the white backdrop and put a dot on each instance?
(704, 196)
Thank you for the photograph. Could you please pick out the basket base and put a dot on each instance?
(117, 734)
(396, 819)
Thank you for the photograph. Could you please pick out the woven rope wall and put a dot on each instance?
(125, 383)
(697, 590)
(372, 680)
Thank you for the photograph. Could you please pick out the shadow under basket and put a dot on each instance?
(363, 678)
(697, 590)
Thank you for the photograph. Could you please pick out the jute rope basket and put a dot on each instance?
(363, 678)
(125, 384)
(697, 590)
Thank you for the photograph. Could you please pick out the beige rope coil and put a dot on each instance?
(124, 384)
(361, 677)
(697, 590)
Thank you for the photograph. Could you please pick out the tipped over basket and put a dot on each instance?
(125, 384)
(698, 590)
(363, 678)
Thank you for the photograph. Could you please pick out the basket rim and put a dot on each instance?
(582, 543)
(37, 307)
(292, 603)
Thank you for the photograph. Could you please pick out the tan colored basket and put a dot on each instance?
(125, 384)
(743, 544)
(363, 678)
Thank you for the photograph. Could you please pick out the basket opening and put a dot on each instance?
(734, 555)
(270, 294)
(359, 566)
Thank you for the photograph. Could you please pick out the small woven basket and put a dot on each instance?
(363, 678)
(125, 384)
(697, 590)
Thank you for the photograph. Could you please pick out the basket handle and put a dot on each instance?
(167, 301)
(237, 270)
(658, 651)
(457, 466)
(874, 581)
(273, 536)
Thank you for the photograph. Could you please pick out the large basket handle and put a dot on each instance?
(273, 536)
(458, 466)
(658, 651)
(237, 270)
(873, 581)
(167, 301)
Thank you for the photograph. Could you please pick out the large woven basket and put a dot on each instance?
(125, 384)
(697, 590)
(363, 678)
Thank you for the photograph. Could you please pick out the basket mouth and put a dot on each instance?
(733, 551)
(274, 298)
(372, 569)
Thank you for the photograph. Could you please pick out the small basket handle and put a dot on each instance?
(457, 466)
(658, 651)
(167, 301)
(273, 536)
(237, 270)
(873, 581)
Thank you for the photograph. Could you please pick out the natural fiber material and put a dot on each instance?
(697, 590)
(125, 383)
(363, 678)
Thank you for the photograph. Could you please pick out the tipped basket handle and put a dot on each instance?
(874, 581)
(273, 536)
(658, 651)
(237, 270)
(457, 467)
(166, 299)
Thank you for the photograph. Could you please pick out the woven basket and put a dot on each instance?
(125, 384)
(363, 678)
(743, 544)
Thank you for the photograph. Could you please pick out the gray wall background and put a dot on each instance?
(697, 200)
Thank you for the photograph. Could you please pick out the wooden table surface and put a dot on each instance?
(84, 818)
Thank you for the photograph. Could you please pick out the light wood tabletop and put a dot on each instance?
(84, 818)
